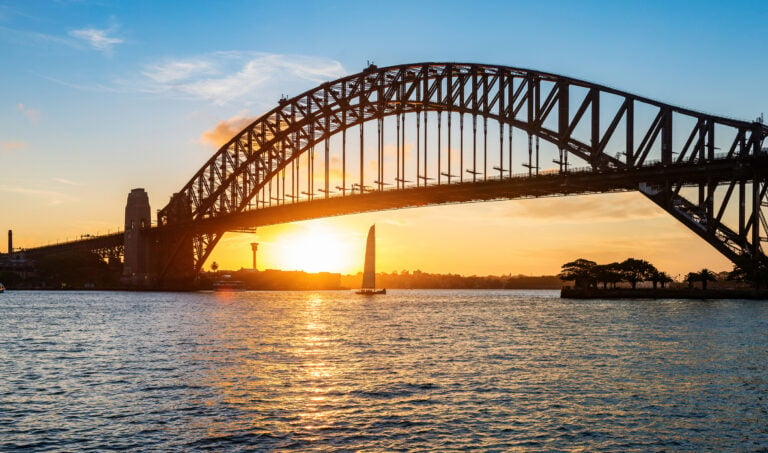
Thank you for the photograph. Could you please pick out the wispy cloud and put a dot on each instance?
(226, 129)
(176, 71)
(224, 77)
(32, 115)
(53, 197)
(98, 39)
(25, 37)
(586, 209)
(103, 40)
(13, 145)
(67, 182)
(244, 78)
(95, 88)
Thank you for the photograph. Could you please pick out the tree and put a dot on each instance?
(214, 266)
(607, 273)
(634, 271)
(757, 274)
(659, 277)
(690, 278)
(580, 272)
(662, 278)
(705, 275)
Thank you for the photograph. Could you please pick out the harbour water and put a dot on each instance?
(412, 370)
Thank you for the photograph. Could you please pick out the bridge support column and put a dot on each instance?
(136, 267)
(174, 251)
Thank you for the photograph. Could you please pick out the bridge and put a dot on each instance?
(433, 133)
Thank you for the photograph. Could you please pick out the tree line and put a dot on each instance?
(425, 280)
(588, 274)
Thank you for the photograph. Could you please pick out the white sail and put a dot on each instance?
(369, 270)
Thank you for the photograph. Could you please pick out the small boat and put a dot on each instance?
(369, 269)
(227, 284)
(2, 288)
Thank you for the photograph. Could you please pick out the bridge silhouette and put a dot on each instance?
(433, 133)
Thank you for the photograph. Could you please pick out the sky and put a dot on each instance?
(99, 97)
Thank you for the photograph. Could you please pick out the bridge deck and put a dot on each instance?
(542, 185)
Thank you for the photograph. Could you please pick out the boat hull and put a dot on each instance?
(371, 292)
(228, 286)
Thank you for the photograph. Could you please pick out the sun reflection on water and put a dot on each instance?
(280, 363)
(316, 349)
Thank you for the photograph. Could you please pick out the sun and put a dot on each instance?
(316, 247)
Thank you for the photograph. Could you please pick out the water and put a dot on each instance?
(412, 370)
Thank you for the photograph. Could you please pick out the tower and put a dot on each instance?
(137, 222)
(10, 243)
(254, 247)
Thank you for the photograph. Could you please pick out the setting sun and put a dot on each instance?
(316, 247)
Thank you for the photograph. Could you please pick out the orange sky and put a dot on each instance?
(531, 237)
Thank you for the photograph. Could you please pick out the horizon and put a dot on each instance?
(414, 271)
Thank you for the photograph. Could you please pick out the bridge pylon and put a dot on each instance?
(137, 244)
(173, 263)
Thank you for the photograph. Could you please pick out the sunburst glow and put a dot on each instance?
(316, 247)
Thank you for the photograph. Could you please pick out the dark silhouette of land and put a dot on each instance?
(423, 280)
(585, 278)
(662, 293)
(636, 278)
(298, 280)
(83, 270)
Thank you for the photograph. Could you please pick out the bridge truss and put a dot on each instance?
(432, 133)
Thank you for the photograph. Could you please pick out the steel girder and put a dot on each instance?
(107, 247)
(582, 119)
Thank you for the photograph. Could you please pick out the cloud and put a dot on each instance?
(176, 71)
(226, 77)
(67, 182)
(245, 77)
(223, 131)
(54, 198)
(33, 115)
(23, 37)
(103, 40)
(14, 145)
(95, 88)
(98, 39)
(587, 209)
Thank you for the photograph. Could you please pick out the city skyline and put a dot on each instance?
(92, 112)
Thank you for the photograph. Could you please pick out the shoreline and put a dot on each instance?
(665, 293)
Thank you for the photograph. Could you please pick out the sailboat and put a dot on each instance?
(369, 270)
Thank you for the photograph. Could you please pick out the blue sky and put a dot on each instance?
(98, 97)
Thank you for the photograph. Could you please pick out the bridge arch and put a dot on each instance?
(602, 128)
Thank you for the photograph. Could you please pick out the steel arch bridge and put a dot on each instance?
(431, 133)
(452, 132)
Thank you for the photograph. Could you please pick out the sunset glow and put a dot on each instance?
(315, 247)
